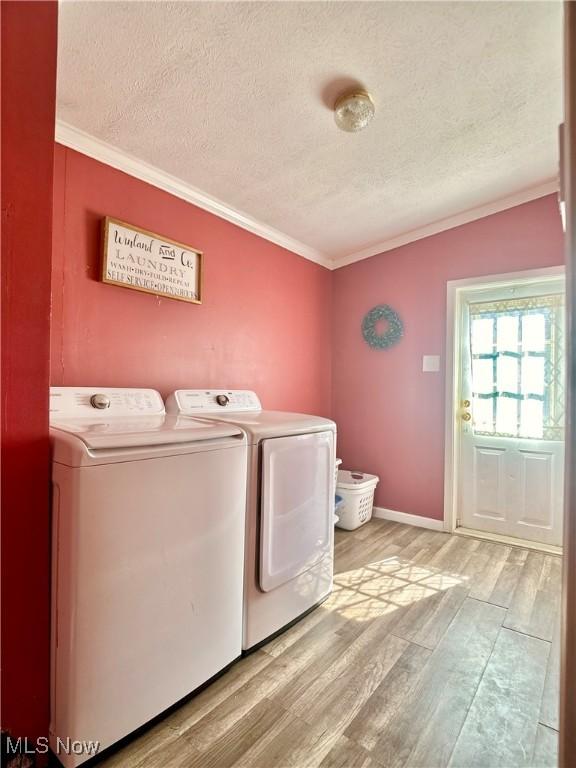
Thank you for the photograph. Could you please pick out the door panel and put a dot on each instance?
(296, 525)
(489, 485)
(538, 499)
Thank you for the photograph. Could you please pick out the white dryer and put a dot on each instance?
(148, 558)
(290, 506)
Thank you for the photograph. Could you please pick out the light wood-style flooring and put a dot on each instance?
(433, 650)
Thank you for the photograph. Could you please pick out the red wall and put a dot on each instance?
(264, 323)
(390, 414)
(28, 99)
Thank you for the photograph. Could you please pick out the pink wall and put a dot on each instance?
(390, 414)
(29, 32)
(264, 324)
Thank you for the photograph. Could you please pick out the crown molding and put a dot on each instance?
(83, 142)
(89, 145)
(465, 217)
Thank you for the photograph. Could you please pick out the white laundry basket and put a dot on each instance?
(337, 499)
(336, 469)
(357, 490)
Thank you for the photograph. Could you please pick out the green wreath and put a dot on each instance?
(391, 335)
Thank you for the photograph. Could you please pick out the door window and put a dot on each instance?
(517, 367)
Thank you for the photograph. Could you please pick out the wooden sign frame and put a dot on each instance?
(145, 261)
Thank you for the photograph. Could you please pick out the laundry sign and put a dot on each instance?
(145, 261)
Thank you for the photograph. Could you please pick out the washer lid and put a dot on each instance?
(139, 432)
(82, 443)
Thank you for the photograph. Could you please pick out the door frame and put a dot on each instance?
(567, 756)
(455, 291)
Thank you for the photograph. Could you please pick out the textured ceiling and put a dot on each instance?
(235, 99)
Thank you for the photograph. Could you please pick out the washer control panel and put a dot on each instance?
(105, 402)
(204, 401)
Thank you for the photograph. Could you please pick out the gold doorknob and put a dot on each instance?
(466, 416)
(465, 403)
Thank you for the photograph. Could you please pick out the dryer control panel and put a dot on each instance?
(103, 402)
(204, 401)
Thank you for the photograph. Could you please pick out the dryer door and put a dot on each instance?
(296, 524)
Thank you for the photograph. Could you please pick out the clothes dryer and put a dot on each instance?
(290, 506)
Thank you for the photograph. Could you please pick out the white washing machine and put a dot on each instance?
(148, 559)
(290, 506)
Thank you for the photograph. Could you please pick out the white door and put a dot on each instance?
(296, 528)
(511, 411)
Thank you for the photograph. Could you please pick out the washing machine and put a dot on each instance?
(147, 562)
(290, 506)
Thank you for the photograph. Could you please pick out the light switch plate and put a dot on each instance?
(431, 363)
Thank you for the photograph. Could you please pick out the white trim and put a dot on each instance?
(465, 217)
(509, 541)
(89, 145)
(455, 292)
(404, 517)
(100, 150)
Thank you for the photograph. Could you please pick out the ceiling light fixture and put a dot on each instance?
(354, 110)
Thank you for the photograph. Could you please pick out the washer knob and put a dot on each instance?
(100, 401)
(222, 399)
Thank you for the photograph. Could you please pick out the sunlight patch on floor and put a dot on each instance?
(379, 588)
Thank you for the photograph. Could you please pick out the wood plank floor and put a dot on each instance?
(433, 650)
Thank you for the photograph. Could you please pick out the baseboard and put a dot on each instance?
(404, 517)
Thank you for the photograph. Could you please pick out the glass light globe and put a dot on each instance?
(353, 111)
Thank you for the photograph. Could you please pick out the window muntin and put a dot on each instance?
(517, 365)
